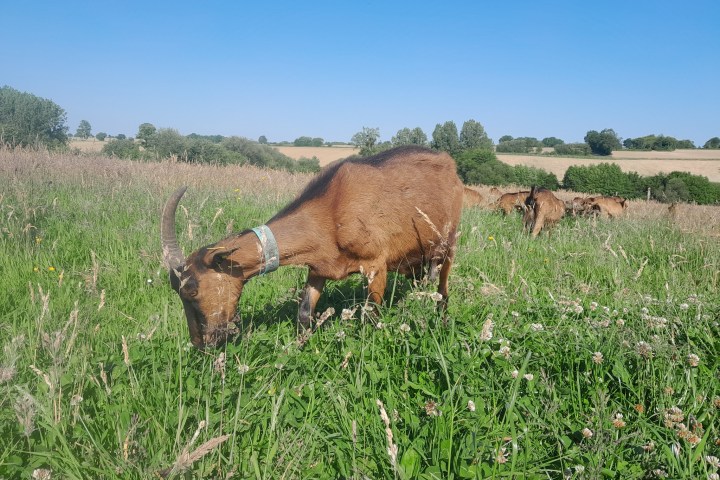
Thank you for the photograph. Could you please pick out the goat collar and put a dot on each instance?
(269, 247)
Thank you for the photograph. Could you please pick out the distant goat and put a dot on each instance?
(542, 209)
(472, 198)
(511, 201)
(612, 207)
(396, 211)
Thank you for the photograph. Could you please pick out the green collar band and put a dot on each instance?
(270, 252)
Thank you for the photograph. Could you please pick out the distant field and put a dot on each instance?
(87, 146)
(324, 154)
(697, 162)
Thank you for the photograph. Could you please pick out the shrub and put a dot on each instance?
(605, 178)
(122, 148)
(519, 145)
(575, 149)
(482, 166)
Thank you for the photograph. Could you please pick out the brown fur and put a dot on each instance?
(542, 209)
(608, 207)
(511, 201)
(472, 198)
(495, 191)
(396, 211)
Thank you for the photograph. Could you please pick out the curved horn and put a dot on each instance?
(172, 254)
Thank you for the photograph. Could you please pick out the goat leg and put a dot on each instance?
(310, 295)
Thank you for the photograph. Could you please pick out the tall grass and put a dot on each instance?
(588, 353)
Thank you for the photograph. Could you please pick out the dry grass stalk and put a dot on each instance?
(186, 458)
(102, 300)
(392, 448)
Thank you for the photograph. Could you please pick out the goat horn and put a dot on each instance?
(172, 253)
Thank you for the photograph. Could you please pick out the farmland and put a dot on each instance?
(698, 161)
(588, 353)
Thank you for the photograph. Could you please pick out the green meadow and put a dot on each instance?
(589, 353)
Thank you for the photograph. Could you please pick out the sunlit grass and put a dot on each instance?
(588, 353)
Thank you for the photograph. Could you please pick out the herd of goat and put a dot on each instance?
(368, 215)
(541, 208)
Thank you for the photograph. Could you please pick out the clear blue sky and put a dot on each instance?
(286, 69)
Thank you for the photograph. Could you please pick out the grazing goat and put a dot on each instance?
(396, 211)
(612, 207)
(472, 198)
(511, 201)
(542, 208)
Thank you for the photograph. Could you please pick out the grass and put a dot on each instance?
(591, 353)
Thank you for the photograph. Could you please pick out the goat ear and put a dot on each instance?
(215, 255)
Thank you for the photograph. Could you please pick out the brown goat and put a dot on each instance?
(542, 209)
(495, 191)
(396, 211)
(511, 201)
(608, 206)
(472, 198)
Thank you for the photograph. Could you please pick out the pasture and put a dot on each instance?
(587, 353)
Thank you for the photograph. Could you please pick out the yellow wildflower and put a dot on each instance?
(51, 269)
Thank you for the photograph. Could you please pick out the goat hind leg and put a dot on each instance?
(310, 295)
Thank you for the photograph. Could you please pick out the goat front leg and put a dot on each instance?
(377, 279)
(310, 295)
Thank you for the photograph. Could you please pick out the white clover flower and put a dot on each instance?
(487, 329)
(597, 358)
(529, 377)
(537, 327)
(693, 360)
(504, 351)
(471, 405)
(587, 433)
(243, 369)
(684, 306)
(405, 328)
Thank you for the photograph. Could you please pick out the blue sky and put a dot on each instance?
(326, 69)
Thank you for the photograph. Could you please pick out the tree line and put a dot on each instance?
(30, 121)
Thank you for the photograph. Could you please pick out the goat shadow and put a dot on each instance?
(347, 293)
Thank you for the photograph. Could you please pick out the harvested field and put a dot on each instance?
(324, 154)
(697, 162)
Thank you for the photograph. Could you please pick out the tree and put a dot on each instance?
(366, 140)
(714, 142)
(101, 136)
(167, 142)
(604, 142)
(145, 133)
(303, 142)
(121, 136)
(473, 135)
(84, 130)
(262, 140)
(551, 141)
(445, 137)
(505, 138)
(28, 120)
(406, 136)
